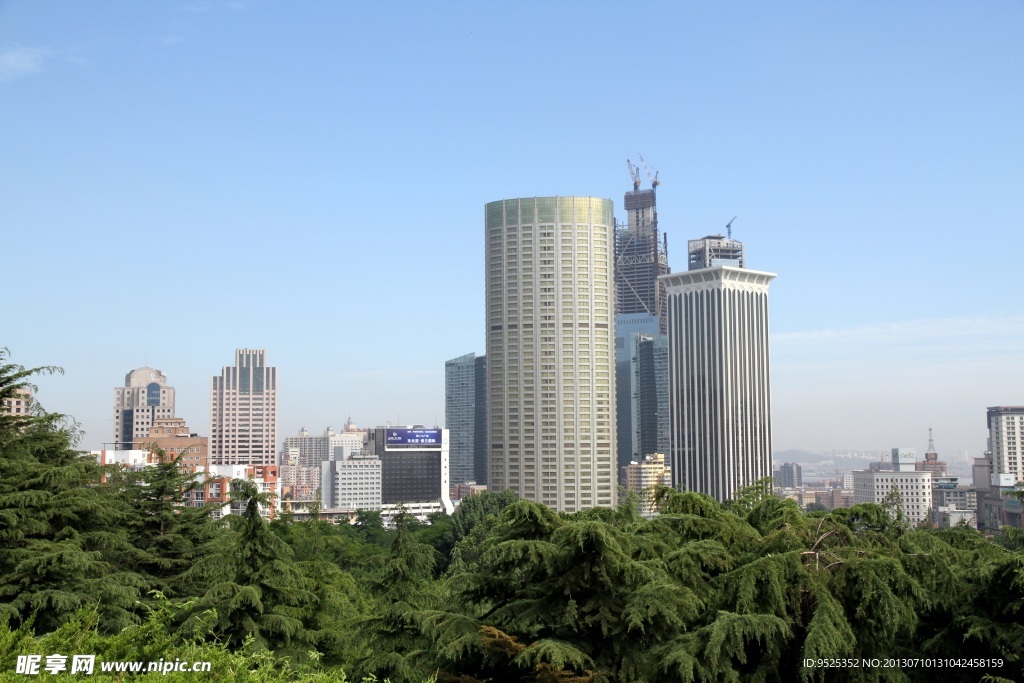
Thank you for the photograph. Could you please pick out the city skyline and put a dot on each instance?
(867, 152)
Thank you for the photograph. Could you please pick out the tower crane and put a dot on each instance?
(654, 179)
(728, 227)
(634, 173)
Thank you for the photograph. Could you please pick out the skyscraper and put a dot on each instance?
(144, 397)
(721, 437)
(641, 386)
(550, 379)
(1006, 444)
(243, 412)
(641, 317)
(640, 257)
(465, 420)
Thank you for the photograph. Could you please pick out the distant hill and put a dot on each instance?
(817, 462)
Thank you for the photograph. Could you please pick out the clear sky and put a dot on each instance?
(178, 179)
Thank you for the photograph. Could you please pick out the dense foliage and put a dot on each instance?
(111, 563)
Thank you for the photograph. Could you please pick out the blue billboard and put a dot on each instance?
(412, 437)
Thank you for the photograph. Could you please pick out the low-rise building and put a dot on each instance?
(912, 488)
(171, 435)
(353, 484)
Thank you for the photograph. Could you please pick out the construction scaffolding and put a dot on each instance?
(640, 257)
(715, 250)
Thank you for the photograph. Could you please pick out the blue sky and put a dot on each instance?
(180, 179)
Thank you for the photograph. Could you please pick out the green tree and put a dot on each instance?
(60, 531)
(255, 588)
(166, 531)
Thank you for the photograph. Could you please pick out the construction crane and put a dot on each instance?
(728, 227)
(634, 173)
(654, 179)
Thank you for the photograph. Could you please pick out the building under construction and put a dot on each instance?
(640, 255)
(715, 250)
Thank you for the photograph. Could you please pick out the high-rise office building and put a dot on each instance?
(789, 475)
(641, 386)
(550, 373)
(464, 379)
(144, 398)
(721, 436)
(415, 469)
(641, 257)
(1006, 445)
(243, 412)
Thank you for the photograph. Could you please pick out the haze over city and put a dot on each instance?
(183, 179)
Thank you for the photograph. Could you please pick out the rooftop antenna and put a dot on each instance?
(931, 442)
(728, 227)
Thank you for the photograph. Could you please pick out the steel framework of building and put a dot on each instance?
(640, 257)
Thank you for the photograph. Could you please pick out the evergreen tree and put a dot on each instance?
(164, 528)
(254, 587)
(60, 531)
(403, 588)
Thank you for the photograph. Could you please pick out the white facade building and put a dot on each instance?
(1006, 445)
(353, 484)
(331, 445)
(914, 487)
(144, 397)
(550, 339)
(719, 395)
(133, 459)
(243, 412)
(265, 478)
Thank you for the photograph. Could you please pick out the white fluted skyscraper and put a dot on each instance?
(721, 434)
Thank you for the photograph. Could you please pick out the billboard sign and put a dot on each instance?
(412, 438)
(1003, 480)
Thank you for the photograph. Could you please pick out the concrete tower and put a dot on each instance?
(144, 397)
(550, 374)
(720, 408)
(243, 412)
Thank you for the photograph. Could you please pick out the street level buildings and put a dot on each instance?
(720, 404)
(309, 450)
(550, 336)
(243, 412)
(19, 405)
(144, 398)
(352, 484)
(173, 437)
(911, 489)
